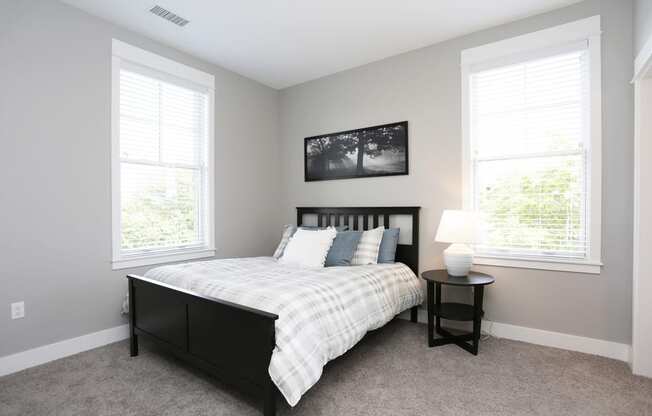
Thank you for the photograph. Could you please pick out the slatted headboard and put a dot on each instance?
(358, 218)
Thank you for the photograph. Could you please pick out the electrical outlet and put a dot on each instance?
(17, 310)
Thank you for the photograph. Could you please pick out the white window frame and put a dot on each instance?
(123, 55)
(523, 48)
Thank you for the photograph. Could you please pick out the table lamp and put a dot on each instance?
(457, 227)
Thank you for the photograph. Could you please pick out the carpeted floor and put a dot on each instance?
(391, 372)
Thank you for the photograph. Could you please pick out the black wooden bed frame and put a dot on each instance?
(231, 341)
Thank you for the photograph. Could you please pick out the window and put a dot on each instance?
(162, 163)
(532, 148)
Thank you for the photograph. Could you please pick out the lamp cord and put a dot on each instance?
(486, 333)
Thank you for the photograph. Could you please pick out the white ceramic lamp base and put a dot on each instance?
(458, 259)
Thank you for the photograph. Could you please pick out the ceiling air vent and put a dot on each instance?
(168, 15)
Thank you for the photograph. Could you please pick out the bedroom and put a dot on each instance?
(548, 327)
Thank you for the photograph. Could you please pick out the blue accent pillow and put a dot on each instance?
(387, 250)
(343, 248)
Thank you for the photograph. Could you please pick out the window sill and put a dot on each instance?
(159, 258)
(554, 265)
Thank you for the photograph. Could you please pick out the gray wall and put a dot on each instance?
(423, 87)
(642, 23)
(55, 200)
(55, 214)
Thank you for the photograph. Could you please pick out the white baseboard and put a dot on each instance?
(41, 355)
(586, 345)
(593, 346)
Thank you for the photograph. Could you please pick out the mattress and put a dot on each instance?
(322, 312)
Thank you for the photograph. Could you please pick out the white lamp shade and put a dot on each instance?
(456, 226)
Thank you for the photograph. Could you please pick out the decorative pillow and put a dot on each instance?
(309, 248)
(387, 250)
(367, 250)
(343, 248)
(288, 231)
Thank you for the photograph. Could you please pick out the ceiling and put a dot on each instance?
(281, 43)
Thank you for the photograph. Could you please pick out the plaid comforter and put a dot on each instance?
(322, 312)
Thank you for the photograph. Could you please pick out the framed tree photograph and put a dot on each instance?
(361, 153)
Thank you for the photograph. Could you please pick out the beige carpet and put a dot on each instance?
(391, 372)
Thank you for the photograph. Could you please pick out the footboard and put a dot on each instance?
(231, 341)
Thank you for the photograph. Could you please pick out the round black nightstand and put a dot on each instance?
(455, 311)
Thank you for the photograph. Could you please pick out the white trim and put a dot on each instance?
(603, 348)
(547, 38)
(636, 258)
(539, 264)
(594, 346)
(162, 75)
(528, 55)
(210, 187)
(116, 224)
(150, 259)
(641, 359)
(22, 360)
(643, 62)
(467, 166)
(149, 64)
(553, 40)
(594, 180)
(41, 355)
(159, 63)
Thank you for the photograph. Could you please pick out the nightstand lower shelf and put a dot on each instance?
(455, 311)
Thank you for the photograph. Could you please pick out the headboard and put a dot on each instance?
(358, 218)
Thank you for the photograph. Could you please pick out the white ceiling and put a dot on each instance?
(286, 42)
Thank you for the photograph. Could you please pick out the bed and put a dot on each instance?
(270, 328)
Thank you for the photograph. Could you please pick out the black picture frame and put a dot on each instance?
(387, 141)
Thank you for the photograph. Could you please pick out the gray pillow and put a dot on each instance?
(387, 250)
(343, 248)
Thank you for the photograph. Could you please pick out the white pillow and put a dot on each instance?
(309, 248)
(368, 247)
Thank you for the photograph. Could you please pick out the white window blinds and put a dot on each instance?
(530, 149)
(163, 164)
